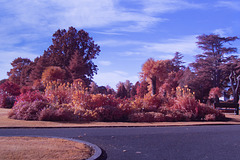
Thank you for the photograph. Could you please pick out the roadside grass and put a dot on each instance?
(22, 148)
(6, 122)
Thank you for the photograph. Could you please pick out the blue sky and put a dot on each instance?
(128, 31)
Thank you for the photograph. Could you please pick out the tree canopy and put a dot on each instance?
(72, 51)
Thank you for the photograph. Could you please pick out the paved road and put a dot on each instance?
(155, 143)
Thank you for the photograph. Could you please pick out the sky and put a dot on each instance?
(127, 31)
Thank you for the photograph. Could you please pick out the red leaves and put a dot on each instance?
(10, 88)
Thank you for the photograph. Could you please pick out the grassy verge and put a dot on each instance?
(5, 122)
(22, 148)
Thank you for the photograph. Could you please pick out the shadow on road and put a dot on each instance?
(103, 156)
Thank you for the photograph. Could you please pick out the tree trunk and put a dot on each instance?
(154, 87)
(235, 86)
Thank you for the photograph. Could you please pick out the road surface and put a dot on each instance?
(220, 142)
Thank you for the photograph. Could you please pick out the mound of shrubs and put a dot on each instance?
(69, 103)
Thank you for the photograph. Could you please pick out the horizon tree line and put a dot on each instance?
(70, 57)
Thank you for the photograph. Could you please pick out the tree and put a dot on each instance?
(10, 88)
(121, 90)
(110, 90)
(41, 64)
(142, 88)
(53, 73)
(209, 66)
(73, 50)
(177, 62)
(133, 92)
(210, 62)
(102, 90)
(19, 65)
(93, 88)
(234, 80)
(79, 69)
(155, 73)
(128, 87)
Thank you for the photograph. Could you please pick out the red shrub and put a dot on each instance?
(151, 103)
(109, 114)
(6, 101)
(87, 115)
(188, 104)
(100, 100)
(26, 89)
(210, 117)
(25, 110)
(10, 88)
(31, 97)
(147, 117)
(8, 93)
(57, 113)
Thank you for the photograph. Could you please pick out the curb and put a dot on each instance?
(97, 150)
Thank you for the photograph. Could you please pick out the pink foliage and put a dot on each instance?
(25, 110)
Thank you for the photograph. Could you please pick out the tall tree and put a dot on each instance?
(142, 88)
(19, 64)
(208, 66)
(177, 62)
(79, 69)
(67, 48)
(128, 87)
(121, 90)
(155, 73)
(209, 63)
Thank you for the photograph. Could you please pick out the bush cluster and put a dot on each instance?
(8, 93)
(71, 102)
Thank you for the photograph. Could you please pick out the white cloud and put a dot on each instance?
(185, 45)
(222, 31)
(163, 6)
(235, 5)
(105, 63)
(81, 14)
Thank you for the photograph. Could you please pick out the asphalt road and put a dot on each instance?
(153, 143)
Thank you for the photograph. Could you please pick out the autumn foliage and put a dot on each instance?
(72, 102)
(58, 86)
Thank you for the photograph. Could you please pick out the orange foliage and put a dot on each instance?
(53, 73)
